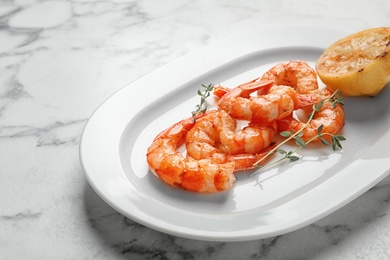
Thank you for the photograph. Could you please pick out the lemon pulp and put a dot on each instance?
(359, 64)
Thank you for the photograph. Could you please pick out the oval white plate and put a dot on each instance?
(281, 200)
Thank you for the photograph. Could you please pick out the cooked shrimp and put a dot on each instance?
(220, 91)
(332, 119)
(262, 87)
(212, 174)
(279, 102)
(314, 97)
(306, 99)
(297, 74)
(216, 132)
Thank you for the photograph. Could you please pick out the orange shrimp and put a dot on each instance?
(209, 174)
(278, 102)
(314, 97)
(331, 118)
(212, 174)
(296, 73)
(305, 99)
(261, 85)
(216, 132)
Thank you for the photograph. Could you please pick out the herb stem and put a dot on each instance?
(335, 100)
(256, 164)
(202, 106)
(287, 155)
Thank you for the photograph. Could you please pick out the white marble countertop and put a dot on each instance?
(60, 59)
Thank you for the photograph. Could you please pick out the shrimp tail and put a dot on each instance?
(245, 89)
(220, 91)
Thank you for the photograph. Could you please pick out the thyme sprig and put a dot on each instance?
(335, 99)
(202, 106)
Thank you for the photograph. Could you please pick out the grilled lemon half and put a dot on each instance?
(359, 64)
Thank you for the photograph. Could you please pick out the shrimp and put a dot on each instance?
(216, 132)
(297, 74)
(314, 97)
(262, 86)
(212, 174)
(331, 118)
(278, 102)
(306, 99)
(208, 173)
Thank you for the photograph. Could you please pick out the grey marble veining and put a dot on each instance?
(59, 60)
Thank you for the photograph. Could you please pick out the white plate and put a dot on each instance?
(281, 200)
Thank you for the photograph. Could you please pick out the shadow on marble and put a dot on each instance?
(130, 240)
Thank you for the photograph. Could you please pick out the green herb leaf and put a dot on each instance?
(340, 138)
(319, 129)
(319, 105)
(336, 99)
(293, 158)
(202, 106)
(324, 141)
(285, 133)
(336, 142)
(299, 141)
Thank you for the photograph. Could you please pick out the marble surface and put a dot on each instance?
(60, 59)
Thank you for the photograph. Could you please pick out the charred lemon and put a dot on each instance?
(359, 64)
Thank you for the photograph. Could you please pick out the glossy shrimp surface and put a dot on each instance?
(212, 174)
(296, 74)
(278, 102)
(313, 97)
(216, 133)
(331, 118)
(216, 148)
